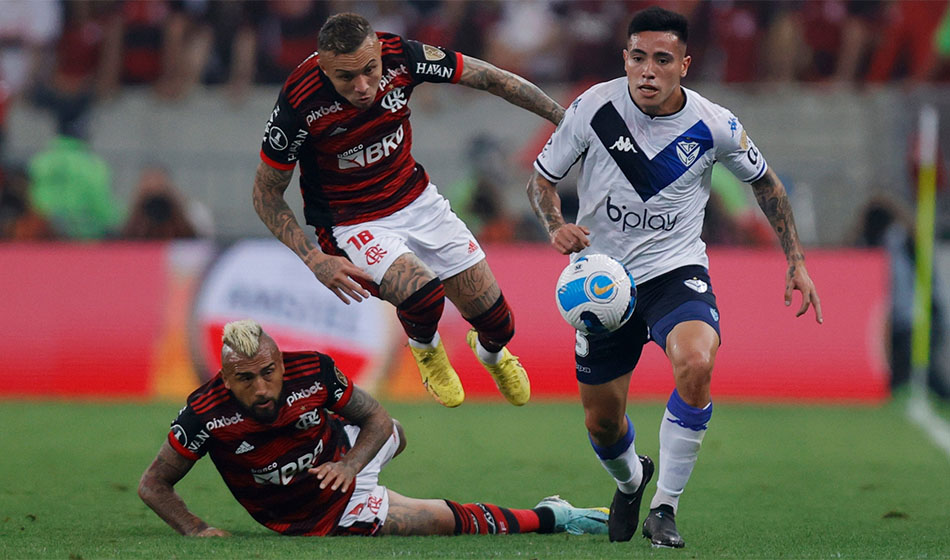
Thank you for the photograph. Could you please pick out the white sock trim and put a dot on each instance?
(426, 345)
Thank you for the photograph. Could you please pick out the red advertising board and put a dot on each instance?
(118, 320)
(767, 353)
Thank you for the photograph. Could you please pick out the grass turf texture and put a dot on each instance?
(772, 482)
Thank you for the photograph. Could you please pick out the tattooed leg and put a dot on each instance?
(474, 290)
(411, 516)
(404, 277)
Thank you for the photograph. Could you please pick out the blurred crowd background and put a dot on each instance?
(61, 61)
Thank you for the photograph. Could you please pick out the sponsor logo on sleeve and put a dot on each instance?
(431, 69)
(340, 377)
(433, 53)
(180, 434)
(277, 139)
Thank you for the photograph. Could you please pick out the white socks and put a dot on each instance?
(425, 345)
(681, 435)
(621, 461)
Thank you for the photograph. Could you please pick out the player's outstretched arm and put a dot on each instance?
(336, 273)
(157, 490)
(511, 87)
(772, 198)
(376, 426)
(566, 238)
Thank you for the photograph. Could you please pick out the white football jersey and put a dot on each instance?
(644, 181)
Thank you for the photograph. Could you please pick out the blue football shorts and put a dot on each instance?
(683, 294)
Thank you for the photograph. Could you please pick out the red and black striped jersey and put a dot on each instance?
(265, 465)
(355, 165)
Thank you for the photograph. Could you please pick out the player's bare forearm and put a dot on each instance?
(511, 87)
(157, 490)
(773, 200)
(376, 426)
(269, 187)
(546, 203)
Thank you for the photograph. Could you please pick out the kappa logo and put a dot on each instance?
(394, 100)
(624, 144)
(687, 152)
(243, 448)
(696, 285)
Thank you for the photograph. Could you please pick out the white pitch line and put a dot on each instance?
(921, 413)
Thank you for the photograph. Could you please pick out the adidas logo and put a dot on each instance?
(472, 247)
(244, 448)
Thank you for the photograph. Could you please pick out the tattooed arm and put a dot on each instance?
(565, 238)
(516, 90)
(157, 490)
(770, 194)
(376, 426)
(336, 273)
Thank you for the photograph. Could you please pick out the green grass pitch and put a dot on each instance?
(772, 482)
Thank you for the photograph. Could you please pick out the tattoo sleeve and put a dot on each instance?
(157, 490)
(269, 187)
(479, 74)
(376, 426)
(545, 202)
(773, 200)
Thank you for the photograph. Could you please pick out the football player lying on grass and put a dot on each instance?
(301, 448)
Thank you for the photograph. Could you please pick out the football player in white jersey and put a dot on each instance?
(646, 146)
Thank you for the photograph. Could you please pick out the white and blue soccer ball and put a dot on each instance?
(596, 294)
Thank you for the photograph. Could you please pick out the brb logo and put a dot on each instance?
(362, 157)
(639, 220)
(283, 476)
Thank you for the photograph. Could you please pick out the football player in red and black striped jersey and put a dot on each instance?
(301, 448)
(382, 227)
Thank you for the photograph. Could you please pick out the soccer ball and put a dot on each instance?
(596, 294)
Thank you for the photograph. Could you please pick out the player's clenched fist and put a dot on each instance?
(570, 238)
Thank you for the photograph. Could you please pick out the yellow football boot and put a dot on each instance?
(438, 376)
(508, 373)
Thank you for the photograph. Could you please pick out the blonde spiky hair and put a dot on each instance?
(244, 337)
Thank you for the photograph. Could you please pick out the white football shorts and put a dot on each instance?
(370, 501)
(427, 227)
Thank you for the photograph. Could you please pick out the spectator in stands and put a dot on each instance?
(70, 184)
(159, 210)
(288, 35)
(907, 48)
(18, 220)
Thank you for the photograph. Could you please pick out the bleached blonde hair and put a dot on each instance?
(243, 337)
